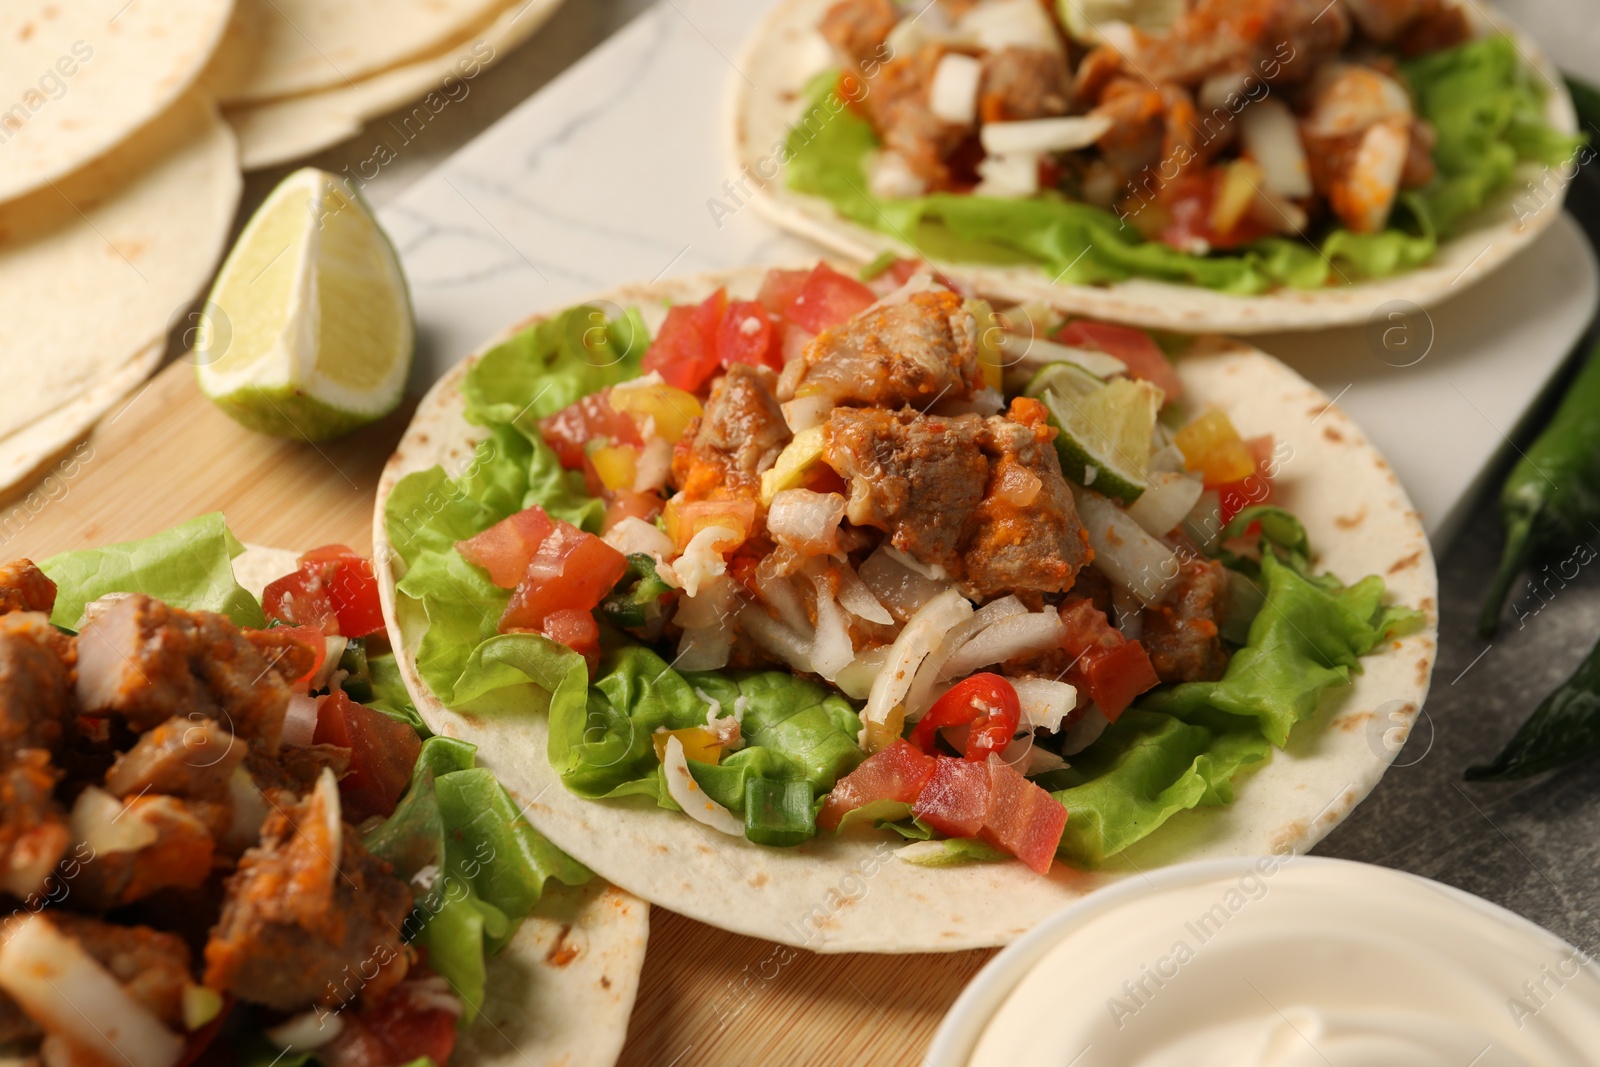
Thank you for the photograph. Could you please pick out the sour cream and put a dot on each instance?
(1290, 962)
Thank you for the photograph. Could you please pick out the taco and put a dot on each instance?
(893, 599)
(220, 832)
(1277, 164)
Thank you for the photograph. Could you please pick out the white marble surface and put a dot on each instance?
(605, 177)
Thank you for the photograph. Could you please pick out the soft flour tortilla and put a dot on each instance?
(849, 893)
(562, 990)
(284, 130)
(96, 267)
(81, 75)
(787, 51)
(280, 48)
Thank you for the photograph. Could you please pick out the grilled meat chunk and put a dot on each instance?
(1027, 537)
(191, 758)
(1283, 41)
(310, 916)
(24, 587)
(141, 845)
(1018, 84)
(152, 966)
(736, 438)
(296, 768)
(33, 830)
(35, 707)
(1181, 632)
(916, 352)
(984, 499)
(898, 109)
(147, 662)
(858, 28)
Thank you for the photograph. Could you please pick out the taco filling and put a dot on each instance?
(851, 555)
(1237, 146)
(215, 821)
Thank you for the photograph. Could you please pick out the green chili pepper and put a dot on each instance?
(1551, 500)
(1563, 729)
(636, 601)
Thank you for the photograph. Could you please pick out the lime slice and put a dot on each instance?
(309, 330)
(1105, 435)
(1096, 21)
(1068, 379)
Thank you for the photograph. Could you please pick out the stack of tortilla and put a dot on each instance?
(123, 127)
(295, 76)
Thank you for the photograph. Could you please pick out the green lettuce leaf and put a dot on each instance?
(1484, 102)
(1309, 635)
(1145, 769)
(189, 566)
(483, 865)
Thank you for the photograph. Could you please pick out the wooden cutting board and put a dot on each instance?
(707, 997)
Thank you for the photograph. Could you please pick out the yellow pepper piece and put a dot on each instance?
(617, 465)
(797, 457)
(1240, 180)
(1213, 447)
(990, 361)
(699, 744)
(672, 409)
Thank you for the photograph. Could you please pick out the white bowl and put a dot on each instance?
(964, 1026)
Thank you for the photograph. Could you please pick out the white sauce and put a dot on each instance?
(1300, 964)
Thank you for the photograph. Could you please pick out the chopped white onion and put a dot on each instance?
(953, 93)
(899, 588)
(804, 412)
(1164, 503)
(1029, 759)
(1203, 525)
(921, 635)
(1019, 348)
(653, 465)
(1272, 138)
(927, 570)
(1012, 176)
(806, 521)
(858, 600)
(1123, 551)
(855, 681)
(683, 789)
(779, 593)
(1375, 175)
(71, 996)
(300, 720)
(634, 535)
(332, 650)
(833, 651)
(1033, 136)
(702, 558)
(1008, 639)
(98, 821)
(1000, 24)
(1045, 703)
(707, 621)
(307, 1031)
(776, 638)
(889, 177)
(926, 688)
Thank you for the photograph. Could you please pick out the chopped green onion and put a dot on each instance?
(778, 812)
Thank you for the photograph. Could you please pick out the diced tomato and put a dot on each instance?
(828, 298)
(334, 588)
(685, 518)
(413, 1024)
(684, 351)
(1087, 627)
(382, 753)
(1116, 676)
(593, 418)
(897, 773)
(311, 637)
(903, 270)
(626, 504)
(1191, 210)
(747, 335)
(779, 289)
(356, 1046)
(577, 630)
(572, 569)
(985, 701)
(1023, 819)
(1134, 347)
(955, 800)
(506, 548)
(1254, 489)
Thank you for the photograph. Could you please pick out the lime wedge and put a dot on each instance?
(1096, 21)
(310, 332)
(1068, 379)
(1105, 435)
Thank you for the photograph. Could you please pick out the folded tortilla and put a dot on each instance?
(787, 51)
(563, 989)
(849, 893)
